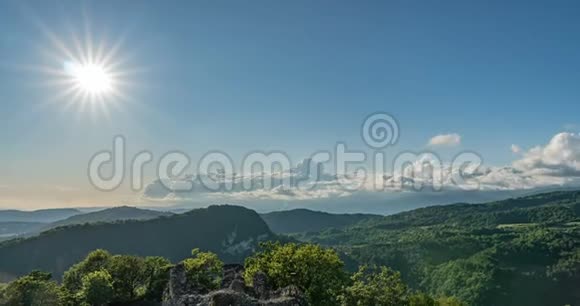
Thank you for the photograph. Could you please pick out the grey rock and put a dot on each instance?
(233, 292)
(261, 288)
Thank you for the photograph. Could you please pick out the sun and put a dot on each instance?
(93, 79)
(87, 74)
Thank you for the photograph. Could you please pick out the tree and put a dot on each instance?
(315, 270)
(157, 277)
(378, 286)
(129, 273)
(204, 269)
(472, 280)
(133, 278)
(96, 260)
(34, 289)
(97, 288)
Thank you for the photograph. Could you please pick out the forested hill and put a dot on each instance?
(522, 251)
(304, 220)
(553, 207)
(230, 231)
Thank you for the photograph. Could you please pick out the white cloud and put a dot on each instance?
(560, 157)
(445, 140)
(516, 149)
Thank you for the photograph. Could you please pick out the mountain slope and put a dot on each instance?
(230, 231)
(8, 229)
(522, 251)
(304, 220)
(43, 215)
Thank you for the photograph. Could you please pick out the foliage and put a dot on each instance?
(36, 288)
(467, 279)
(95, 261)
(204, 269)
(377, 286)
(449, 301)
(3, 293)
(157, 277)
(315, 270)
(422, 299)
(133, 278)
(97, 288)
(567, 267)
(129, 273)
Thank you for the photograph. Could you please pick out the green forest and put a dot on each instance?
(232, 232)
(522, 251)
(105, 279)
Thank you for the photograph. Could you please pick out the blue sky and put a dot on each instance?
(295, 76)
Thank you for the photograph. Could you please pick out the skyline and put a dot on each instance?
(294, 77)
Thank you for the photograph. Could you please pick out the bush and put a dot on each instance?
(204, 269)
(133, 278)
(34, 289)
(315, 270)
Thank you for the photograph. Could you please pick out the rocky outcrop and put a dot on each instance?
(233, 291)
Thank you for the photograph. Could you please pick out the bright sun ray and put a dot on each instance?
(88, 73)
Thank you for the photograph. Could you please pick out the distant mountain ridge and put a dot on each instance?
(13, 229)
(42, 215)
(113, 214)
(305, 220)
(232, 232)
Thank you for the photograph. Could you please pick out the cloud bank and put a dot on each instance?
(555, 165)
(560, 157)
